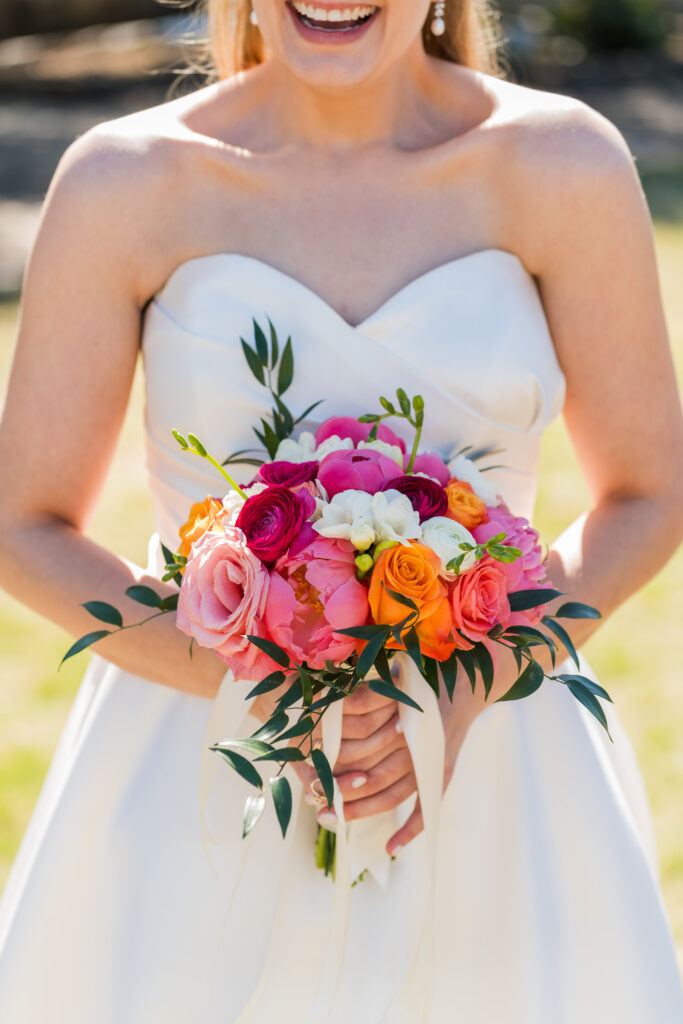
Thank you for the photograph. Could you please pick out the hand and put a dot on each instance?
(457, 718)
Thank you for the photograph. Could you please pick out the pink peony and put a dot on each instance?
(432, 465)
(223, 597)
(346, 426)
(479, 599)
(312, 593)
(273, 518)
(365, 470)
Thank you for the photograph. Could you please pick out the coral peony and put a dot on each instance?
(223, 598)
(313, 592)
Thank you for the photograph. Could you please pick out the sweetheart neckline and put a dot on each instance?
(306, 289)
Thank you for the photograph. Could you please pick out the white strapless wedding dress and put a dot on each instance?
(533, 896)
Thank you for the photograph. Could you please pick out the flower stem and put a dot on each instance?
(227, 476)
(416, 442)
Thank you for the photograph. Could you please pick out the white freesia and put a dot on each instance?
(444, 536)
(305, 450)
(365, 519)
(464, 469)
(392, 451)
(233, 501)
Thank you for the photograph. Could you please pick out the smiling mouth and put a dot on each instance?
(332, 19)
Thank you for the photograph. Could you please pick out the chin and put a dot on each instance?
(330, 53)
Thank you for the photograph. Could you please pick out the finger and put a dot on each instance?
(358, 726)
(363, 700)
(386, 800)
(382, 776)
(413, 826)
(365, 753)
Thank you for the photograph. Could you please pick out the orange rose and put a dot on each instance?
(413, 570)
(204, 515)
(463, 504)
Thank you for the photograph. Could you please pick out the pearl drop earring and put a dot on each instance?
(438, 26)
(253, 17)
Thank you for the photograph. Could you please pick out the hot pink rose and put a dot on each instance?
(479, 599)
(312, 593)
(273, 518)
(365, 470)
(223, 597)
(288, 474)
(346, 426)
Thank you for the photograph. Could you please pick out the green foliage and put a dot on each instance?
(612, 24)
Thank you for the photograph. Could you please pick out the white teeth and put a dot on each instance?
(332, 14)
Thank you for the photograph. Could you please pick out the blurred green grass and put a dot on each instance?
(643, 678)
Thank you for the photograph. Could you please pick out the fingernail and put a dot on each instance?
(310, 799)
(399, 727)
(396, 850)
(359, 781)
(328, 820)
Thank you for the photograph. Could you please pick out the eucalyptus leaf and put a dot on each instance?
(282, 798)
(104, 612)
(401, 598)
(432, 674)
(366, 658)
(260, 343)
(284, 754)
(322, 766)
(273, 651)
(305, 413)
(241, 765)
(275, 724)
(577, 610)
(144, 595)
(285, 372)
(300, 728)
(274, 345)
(249, 746)
(392, 693)
(266, 685)
(483, 658)
(83, 642)
(529, 681)
(364, 632)
(254, 362)
(521, 600)
(563, 636)
(467, 661)
(169, 604)
(449, 671)
(591, 702)
(412, 646)
(253, 809)
(589, 684)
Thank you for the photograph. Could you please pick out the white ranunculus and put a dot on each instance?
(302, 450)
(444, 536)
(392, 451)
(332, 444)
(394, 517)
(464, 469)
(348, 517)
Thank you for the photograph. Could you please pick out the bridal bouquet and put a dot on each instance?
(343, 548)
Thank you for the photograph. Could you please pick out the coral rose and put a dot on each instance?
(413, 570)
(204, 515)
(313, 592)
(479, 599)
(223, 598)
(463, 504)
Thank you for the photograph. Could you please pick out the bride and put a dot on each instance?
(368, 181)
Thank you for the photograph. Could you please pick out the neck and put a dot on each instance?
(386, 108)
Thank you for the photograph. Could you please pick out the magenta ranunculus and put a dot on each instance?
(273, 518)
(428, 498)
(223, 598)
(479, 599)
(346, 426)
(288, 474)
(433, 465)
(365, 470)
(311, 594)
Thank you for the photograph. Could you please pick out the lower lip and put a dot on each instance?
(327, 37)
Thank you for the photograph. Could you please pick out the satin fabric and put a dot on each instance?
(532, 896)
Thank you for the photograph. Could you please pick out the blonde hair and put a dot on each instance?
(471, 37)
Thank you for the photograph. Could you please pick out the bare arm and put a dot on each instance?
(76, 353)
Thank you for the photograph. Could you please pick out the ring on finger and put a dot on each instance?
(319, 798)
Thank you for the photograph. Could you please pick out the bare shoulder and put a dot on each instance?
(111, 193)
(554, 163)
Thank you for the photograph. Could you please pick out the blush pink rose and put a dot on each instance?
(365, 470)
(312, 593)
(346, 426)
(479, 599)
(223, 598)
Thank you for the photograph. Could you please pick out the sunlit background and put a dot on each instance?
(65, 66)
